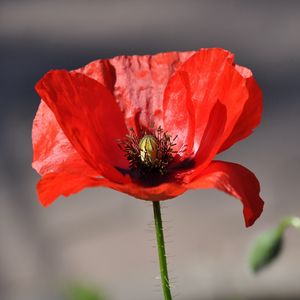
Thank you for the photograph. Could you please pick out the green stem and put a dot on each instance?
(290, 221)
(161, 252)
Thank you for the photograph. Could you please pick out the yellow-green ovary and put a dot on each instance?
(148, 149)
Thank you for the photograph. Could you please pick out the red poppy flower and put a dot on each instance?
(148, 126)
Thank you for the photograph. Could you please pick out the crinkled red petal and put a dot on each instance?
(252, 111)
(53, 185)
(52, 151)
(89, 117)
(138, 84)
(236, 181)
(212, 135)
(161, 192)
(190, 97)
(203, 80)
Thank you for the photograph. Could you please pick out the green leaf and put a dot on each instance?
(80, 292)
(266, 248)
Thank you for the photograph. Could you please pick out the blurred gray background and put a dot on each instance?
(103, 237)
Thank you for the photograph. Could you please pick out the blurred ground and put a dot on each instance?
(101, 236)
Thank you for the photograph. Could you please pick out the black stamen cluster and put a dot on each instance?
(147, 167)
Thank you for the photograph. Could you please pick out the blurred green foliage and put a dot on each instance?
(266, 248)
(79, 291)
(268, 245)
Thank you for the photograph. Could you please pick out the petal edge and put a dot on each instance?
(236, 181)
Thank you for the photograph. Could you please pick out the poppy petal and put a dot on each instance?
(138, 84)
(102, 71)
(252, 111)
(52, 151)
(236, 181)
(161, 192)
(204, 79)
(212, 135)
(89, 117)
(53, 185)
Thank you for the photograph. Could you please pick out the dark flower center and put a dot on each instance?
(149, 155)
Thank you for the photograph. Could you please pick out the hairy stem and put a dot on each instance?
(161, 251)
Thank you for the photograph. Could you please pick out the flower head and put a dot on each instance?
(148, 126)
